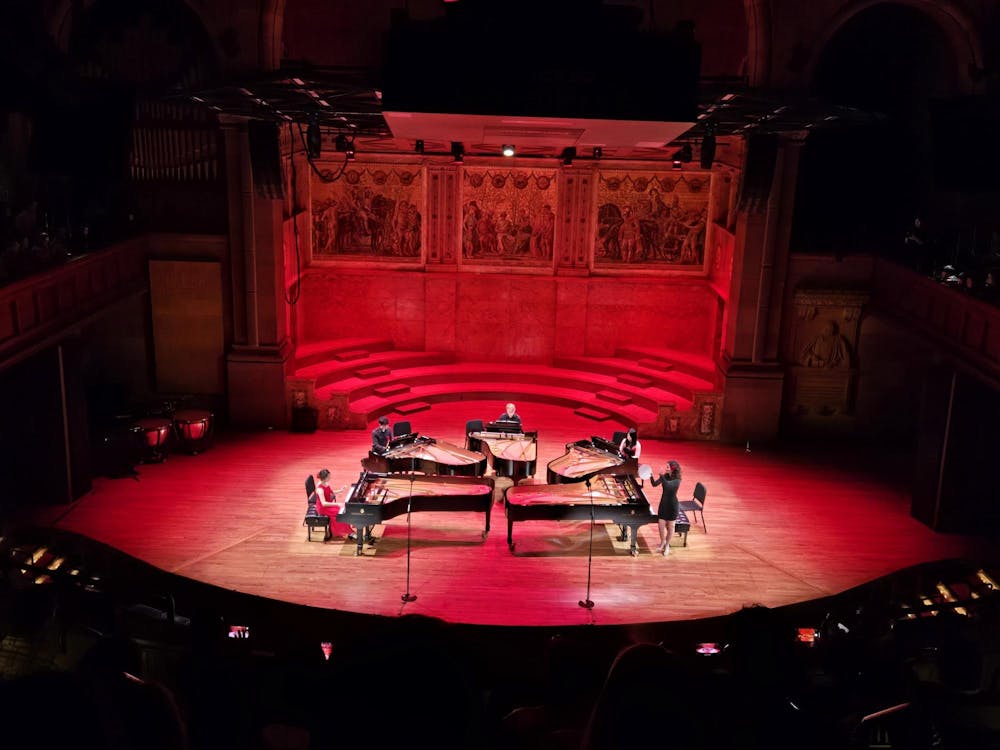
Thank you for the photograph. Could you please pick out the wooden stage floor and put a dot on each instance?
(782, 529)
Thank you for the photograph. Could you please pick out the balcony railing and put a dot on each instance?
(967, 327)
(39, 309)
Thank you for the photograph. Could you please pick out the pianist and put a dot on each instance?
(630, 447)
(381, 436)
(510, 415)
(327, 505)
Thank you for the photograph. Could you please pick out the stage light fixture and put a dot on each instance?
(684, 154)
(457, 152)
(314, 139)
(598, 152)
(419, 146)
(568, 154)
(508, 149)
(708, 147)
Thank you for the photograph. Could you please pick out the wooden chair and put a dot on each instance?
(696, 504)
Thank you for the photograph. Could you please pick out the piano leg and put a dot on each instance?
(634, 548)
(362, 530)
(510, 534)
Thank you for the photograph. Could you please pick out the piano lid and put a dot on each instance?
(607, 489)
(382, 488)
(584, 459)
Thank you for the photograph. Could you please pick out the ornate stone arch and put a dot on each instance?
(758, 67)
(272, 33)
(959, 29)
(61, 22)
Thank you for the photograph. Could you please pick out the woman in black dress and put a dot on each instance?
(666, 514)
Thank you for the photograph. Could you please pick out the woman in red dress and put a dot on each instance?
(327, 505)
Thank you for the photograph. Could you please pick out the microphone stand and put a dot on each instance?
(407, 596)
(585, 602)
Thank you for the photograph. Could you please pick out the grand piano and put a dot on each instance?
(587, 458)
(616, 497)
(511, 453)
(412, 452)
(376, 497)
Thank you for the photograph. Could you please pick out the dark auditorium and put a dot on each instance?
(370, 373)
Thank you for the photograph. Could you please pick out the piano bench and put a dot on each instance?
(682, 526)
(317, 522)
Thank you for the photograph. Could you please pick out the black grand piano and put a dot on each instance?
(511, 452)
(376, 498)
(413, 452)
(587, 458)
(616, 497)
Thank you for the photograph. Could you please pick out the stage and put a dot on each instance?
(783, 527)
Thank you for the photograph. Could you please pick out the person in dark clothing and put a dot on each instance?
(666, 513)
(381, 436)
(510, 415)
(630, 447)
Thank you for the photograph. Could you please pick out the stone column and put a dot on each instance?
(753, 373)
(258, 358)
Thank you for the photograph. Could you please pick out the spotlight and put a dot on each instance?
(508, 149)
(344, 145)
(598, 152)
(419, 146)
(684, 153)
(568, 154)
(457, 152)
(314, 139)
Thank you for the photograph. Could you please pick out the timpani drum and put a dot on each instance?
(154, 432)
(194, 430)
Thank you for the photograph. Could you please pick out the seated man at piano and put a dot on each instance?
(510, 415)
(381, 436)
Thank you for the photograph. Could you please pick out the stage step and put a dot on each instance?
(413, 407)
(376, 371)
(390, 390)
(614, 397)
(656, 364)
(635, 380)
(590, 413)
(698, 365)
(316, 352)
(352, 354)
(344, 375)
